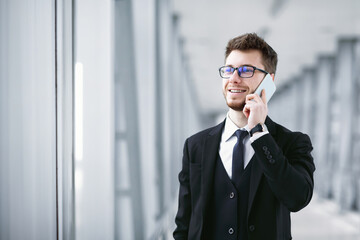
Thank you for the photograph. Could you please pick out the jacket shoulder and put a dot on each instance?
(200, 136)
(287, 137)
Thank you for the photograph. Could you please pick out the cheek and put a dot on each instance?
(253, 86)
(224, 84)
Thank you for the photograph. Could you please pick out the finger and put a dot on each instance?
(263, 96)
(249, 103)
(246, 111)
(250, 97)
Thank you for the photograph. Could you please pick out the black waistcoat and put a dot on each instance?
(226, 217)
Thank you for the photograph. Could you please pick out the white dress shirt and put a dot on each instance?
(228, 141)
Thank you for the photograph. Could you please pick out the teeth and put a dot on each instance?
(237, 91)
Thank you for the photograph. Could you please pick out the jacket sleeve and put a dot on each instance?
(288, 170)
(182, 218)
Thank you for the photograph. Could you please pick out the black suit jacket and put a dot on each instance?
(281, 181)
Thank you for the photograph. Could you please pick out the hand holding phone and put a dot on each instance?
(256, 111)
(269, 86)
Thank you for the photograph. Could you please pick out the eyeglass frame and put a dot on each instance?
(239, 74)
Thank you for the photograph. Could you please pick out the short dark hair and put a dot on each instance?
(251, 41)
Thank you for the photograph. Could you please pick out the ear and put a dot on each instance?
(273, 76)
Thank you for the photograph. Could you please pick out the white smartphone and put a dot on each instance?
(269, 86)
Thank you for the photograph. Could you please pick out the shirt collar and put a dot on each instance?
(230, 128)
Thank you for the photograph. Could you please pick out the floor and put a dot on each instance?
(322, 219)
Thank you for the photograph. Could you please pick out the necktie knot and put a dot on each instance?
(241, 134)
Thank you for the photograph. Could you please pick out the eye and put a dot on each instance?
(246, 69)
(228, 69)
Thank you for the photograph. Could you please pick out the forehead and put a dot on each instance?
(248, 57)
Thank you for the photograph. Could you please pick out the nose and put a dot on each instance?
(235, 78)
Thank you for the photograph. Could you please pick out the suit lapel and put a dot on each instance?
(256, 172)
(210, 153)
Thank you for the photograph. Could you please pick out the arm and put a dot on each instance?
(289, 173)
(184, 210)
(288, 170)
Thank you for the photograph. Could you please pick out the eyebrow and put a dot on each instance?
(230, 65)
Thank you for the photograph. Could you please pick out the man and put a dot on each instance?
(243, 177)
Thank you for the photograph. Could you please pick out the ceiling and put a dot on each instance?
(298, 30)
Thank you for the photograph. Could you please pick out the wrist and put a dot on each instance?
(258, 128)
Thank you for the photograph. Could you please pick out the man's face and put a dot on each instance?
(236, 88)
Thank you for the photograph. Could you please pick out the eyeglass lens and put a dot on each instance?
(244, 71)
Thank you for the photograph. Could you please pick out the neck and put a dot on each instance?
(238, 118)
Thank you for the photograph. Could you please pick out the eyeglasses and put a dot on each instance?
(243, 71)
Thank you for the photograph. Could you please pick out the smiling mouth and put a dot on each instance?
(236, 91)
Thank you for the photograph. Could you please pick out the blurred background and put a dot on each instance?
(98, 96)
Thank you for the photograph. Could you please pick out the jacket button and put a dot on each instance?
(265, 148)
(269, 157)
(232, 195)
(271, 160)
(251, 228)
(231, 231)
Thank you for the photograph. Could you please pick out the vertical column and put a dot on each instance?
(28, 120)
(345, 77)
(94, 119)
(4, 121)
(129, 215)
(334, 139)
(169, 98)
(282, 106)
(299, 106)
(356, 139)
(143, 29)
(160, 73)
(64, 65)
(325, 77)
(159, 108)
(177, 108)
(308, 118)
(276, 105)
(356, 149)
(296, 103)
(289, 109)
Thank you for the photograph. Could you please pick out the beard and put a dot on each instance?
(236, 106)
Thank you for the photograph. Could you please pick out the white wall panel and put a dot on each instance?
(27, 126)
(94, 169)
(144, 41)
